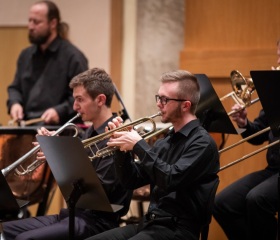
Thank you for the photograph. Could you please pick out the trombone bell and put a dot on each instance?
(242, 90)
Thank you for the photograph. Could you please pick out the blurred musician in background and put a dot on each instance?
(93, 91)
(40, 87)
(247, 208)
(181, 168)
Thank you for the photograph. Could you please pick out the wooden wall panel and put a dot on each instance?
(12, 41)
(116, 47)
(223, 35)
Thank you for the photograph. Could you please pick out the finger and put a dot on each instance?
(116, 122)
(111, 125)
(120, 120)
(35, 143)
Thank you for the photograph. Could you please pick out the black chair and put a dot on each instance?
(209, 209)
(140, 195)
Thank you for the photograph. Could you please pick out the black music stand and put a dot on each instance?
(267, 84)
(75, 176)
(123, 113)
(210, 110)
(9, 205)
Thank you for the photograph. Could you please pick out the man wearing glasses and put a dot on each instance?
(181, 168)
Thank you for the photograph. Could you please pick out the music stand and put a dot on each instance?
(267, 84)
(123, 113)
(9, 205)
(75, 176)
(210, 110)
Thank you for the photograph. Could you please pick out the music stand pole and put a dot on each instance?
(278, 221)
(71, 204)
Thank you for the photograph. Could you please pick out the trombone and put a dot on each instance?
(36, 163)
(250, 154)
(242, 90)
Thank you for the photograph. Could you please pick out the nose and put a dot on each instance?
(30, 24)
(159, 104)
(75, 106)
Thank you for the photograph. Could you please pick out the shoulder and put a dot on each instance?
(70, 48)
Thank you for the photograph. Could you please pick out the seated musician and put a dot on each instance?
(181, 168)
(93, 91)
(247, 208)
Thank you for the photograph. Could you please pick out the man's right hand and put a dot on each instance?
(240, 115)
(16, 112)
(44, 132)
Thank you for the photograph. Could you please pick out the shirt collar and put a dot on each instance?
(101, 128)
(185, 130)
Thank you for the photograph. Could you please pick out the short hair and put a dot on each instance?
(96, 81)
(188, 86)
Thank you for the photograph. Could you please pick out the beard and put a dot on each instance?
(175, 114)
(40, 39)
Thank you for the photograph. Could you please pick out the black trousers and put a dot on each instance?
(56, 227)
(159, 229)
(247, 208)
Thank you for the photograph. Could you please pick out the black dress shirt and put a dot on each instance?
(178, 169)
(42, 79)
(105, 169)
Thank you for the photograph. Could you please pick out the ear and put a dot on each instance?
(101, 99)
(186, 106)
(53, 23)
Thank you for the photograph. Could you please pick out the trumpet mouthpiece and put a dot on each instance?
(156, 115)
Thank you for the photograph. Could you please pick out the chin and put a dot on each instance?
(164, 120)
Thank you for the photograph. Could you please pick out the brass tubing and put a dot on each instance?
(250, 155)
(36, 163)
(244, 140)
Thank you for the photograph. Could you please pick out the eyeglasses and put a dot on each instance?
(164, 100)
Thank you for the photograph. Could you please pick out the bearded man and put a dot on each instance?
(41, 85)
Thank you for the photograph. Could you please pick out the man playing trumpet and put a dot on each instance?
(181, 168)
(93, 91)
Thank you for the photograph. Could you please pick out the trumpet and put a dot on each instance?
(107, 151)
(34, 165)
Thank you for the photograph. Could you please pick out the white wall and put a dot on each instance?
(89, 22)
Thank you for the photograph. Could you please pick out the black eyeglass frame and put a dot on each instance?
(164, 100)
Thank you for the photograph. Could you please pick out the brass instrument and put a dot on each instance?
(36, 163)
(250, 154)
(107, 151)
(156, 133)
(242, 90)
